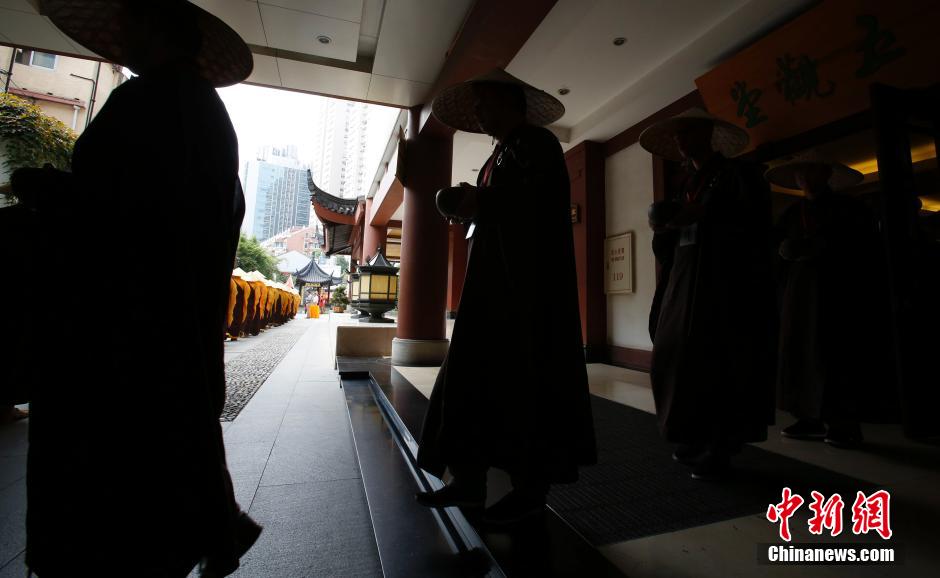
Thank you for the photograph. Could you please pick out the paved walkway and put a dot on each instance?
(295, 470)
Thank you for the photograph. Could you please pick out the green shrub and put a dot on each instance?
(31, 138)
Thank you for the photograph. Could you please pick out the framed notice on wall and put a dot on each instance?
(618, 265)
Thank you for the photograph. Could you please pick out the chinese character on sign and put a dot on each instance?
(798, 78)
(872, 513)
(781, 512)
(877, 47)
(747, 103)
(826, 514)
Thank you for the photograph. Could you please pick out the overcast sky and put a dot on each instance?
(267, 116)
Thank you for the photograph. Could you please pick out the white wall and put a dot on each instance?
(629, 192)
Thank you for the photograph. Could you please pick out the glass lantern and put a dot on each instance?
(377, 288)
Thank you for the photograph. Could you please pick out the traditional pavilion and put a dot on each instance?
(314, 276)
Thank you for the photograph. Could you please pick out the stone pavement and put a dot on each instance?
(295, 470)
(247, 368)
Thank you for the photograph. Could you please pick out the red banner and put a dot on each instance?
(818, 68)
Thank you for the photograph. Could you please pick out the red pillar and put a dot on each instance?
(586, 170)
(421, 337)
(456, 268)
(372, 237)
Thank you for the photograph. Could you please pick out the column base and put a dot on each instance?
(419, 352)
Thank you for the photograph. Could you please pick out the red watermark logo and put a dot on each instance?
(870, 513)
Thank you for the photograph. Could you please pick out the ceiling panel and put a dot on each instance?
(573, 47)
(265, 71)
(350, 10)
(415, 37)
(675, 77)
(21, 5)
(397, 91)
(323, 79)
(367, 46)
(27, 29)
(81, 50)
(371, 17)
(243, 17)
(298, 32)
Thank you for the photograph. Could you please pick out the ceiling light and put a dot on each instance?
(324, 39)
(563, 91)
(620, 41)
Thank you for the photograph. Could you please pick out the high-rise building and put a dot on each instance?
(276, 194)
(341, 148)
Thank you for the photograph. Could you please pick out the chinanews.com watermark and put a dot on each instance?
(813, 554)
(870, 514)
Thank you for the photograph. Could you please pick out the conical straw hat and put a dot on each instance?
(223, 59)
(659, 138)
(454, 106)
(784, 175)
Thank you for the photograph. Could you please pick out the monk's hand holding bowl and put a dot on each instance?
(661, 213)
(458, 203)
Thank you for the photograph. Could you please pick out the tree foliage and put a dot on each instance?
(251, 255)
(343, 263)
(31, 138)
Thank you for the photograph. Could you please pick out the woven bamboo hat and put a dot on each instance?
(223, 59)
(454, 106)
(728, 139)
(784, 174)
(238, 272)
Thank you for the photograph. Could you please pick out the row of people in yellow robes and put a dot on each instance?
(256, 302)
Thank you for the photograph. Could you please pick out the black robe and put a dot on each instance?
(713, 314)
(834, 311)
(126, 470)
(19, 307)
(513, 392)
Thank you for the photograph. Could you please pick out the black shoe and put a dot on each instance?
(805, 429)
(515, 507)
(247, 532)
(712, 467)
(688, 454)
(452, 495)
(844, 436)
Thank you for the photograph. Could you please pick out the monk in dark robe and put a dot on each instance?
(127, 473)
(19, 322)
(826, 246)
(713, 316)
(512, 393)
